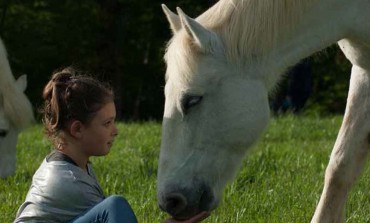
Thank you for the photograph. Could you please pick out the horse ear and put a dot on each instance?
(201, 36)
(172, 18)
(21, 82)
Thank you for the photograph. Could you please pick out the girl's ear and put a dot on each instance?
(76, 128)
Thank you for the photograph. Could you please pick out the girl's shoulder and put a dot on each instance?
(61, 171)
(60, 179)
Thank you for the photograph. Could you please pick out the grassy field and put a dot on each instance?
(280, 181)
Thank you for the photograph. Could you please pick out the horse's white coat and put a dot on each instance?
(226, 61)
(15, 113)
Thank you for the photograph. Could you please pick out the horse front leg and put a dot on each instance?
(349, 153)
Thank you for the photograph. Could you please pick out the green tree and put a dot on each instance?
(123, 42)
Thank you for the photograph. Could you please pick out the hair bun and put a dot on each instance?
(64, 76)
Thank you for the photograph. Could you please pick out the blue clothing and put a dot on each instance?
(111, 209)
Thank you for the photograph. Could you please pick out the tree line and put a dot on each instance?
(123, 42)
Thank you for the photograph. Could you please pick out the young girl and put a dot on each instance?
(79, 118)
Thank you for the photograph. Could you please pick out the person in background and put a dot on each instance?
(295, 90)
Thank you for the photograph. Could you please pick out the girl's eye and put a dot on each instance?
(190, 101)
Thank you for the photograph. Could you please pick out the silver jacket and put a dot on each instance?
(60, 192)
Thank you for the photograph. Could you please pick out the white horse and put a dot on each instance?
(15, 113)
(220, 68)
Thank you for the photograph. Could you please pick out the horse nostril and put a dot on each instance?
(185, 202)
(3, 133)
(175, 203)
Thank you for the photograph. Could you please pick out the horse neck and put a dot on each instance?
(276, 34)
(254, 27)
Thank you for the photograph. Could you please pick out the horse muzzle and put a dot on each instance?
(185, 202)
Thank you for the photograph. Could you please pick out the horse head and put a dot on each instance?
(213, 113)
(9, 134)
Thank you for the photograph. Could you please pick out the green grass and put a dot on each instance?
(280, 181)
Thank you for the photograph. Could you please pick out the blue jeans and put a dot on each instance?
(112, 209)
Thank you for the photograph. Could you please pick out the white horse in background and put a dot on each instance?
(15, 113)
(220, 68)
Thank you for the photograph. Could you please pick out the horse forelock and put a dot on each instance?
(181, 58)
(252, 28)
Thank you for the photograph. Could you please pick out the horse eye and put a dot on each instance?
(3, 133)
(190, 101)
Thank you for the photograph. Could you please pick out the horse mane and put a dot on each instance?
(16, 105)
(251, 28)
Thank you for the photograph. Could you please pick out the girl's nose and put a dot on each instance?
(115, 130)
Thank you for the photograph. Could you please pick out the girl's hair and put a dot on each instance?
(72, 96)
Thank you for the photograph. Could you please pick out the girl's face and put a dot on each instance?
(98, 136)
